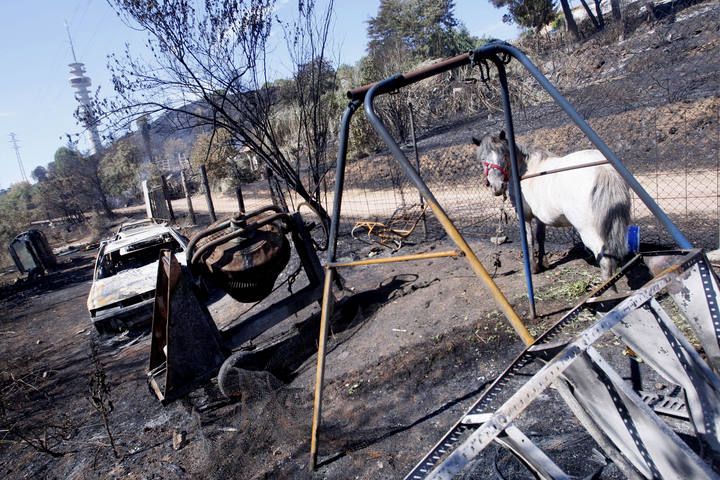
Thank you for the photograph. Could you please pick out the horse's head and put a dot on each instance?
(493, 154)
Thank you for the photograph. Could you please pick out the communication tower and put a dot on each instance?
(81, 84)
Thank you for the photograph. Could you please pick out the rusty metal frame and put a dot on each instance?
(186, 346)
(499, 53)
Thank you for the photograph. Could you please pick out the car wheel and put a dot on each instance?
(101, 327)
(106, 327)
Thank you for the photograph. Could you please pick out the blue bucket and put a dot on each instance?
(633, 238)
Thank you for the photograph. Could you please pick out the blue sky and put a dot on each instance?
(37, 103)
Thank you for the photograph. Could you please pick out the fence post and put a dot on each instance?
(183, 180)
(417, 164)
(240, 199)
(167, 198)
(146, 197)
(275, 190)
(208, 197)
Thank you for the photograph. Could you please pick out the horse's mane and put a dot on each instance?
(526, 154)
(538, 155)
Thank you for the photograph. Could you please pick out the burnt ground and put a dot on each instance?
(412, 346)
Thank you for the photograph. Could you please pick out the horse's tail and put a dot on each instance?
(611, 209)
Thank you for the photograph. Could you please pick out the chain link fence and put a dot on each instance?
(649, 88)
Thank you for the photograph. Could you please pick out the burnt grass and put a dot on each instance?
(411, 347)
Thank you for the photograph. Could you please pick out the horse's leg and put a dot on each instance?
(534, 264)
(595, 243)
(540, 238)
(608, 265)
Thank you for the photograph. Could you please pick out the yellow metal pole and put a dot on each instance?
(480, 271)
(403, 258)
(325, 313)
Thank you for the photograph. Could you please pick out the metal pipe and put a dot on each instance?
(327, 299)
(515, 177)
(389, 85)
(203, 233)
(258, 211)
(340, 178)
(240, 199)
(325, 313)
(502, 47)
(402, 258)
(563, 169)
(413, 76)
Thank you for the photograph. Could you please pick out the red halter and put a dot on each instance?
(487, 166)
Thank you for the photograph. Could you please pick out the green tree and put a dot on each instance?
(120, 171)
(56, 197)
(401, 35)
(423, 28)
(82, 174)
(217, 152)
(533, 14)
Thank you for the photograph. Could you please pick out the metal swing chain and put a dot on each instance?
(484, 68)
(504, 58)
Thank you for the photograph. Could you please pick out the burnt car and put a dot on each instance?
(123, 288)
(32, 254)
(129, 228)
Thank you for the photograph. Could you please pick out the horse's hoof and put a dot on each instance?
(535, 268)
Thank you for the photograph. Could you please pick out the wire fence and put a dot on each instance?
(649, 88)
(653, 100)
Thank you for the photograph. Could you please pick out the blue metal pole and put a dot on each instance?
(340, 179)
(515, 177)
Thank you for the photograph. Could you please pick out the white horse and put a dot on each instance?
(593, 199)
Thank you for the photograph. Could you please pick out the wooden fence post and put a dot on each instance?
(208, 198)
(183, 180)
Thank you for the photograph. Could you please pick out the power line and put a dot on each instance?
(72, 47)
(14, 142)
